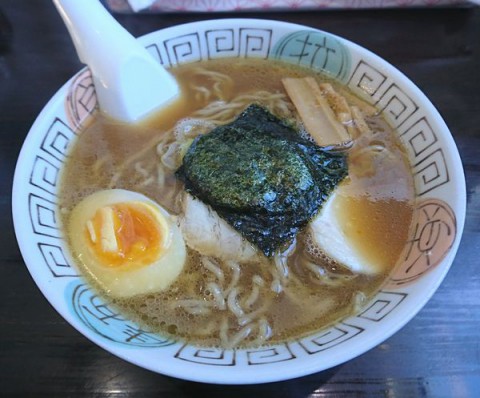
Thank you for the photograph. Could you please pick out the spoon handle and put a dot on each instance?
(129, 83)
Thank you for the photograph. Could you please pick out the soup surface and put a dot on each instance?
(234, 302)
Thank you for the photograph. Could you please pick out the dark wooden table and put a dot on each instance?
(436, 355)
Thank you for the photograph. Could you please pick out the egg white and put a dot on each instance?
(127, 281)
(328, 232)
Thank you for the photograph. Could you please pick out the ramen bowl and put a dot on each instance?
(430, 250)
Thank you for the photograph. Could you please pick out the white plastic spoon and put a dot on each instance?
(129, 83)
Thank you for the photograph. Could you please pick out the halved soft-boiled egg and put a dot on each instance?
(330, 234)
(362, 232)
(127, 242)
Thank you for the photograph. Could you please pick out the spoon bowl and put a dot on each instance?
(129, 83)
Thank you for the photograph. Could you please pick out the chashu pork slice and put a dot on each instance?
(206, 232)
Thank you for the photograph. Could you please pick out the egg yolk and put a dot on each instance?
(126, 235)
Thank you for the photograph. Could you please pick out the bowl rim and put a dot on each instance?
(269, 373)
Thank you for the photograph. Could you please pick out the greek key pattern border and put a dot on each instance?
(213, 43)
(429, 165)
(43, 208)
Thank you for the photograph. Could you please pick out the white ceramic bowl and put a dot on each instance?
(438, 176)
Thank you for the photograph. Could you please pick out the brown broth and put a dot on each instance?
(378, 225)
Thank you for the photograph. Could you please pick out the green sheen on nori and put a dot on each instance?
(261, 176)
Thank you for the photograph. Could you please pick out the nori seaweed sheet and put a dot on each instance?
(261, 176)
